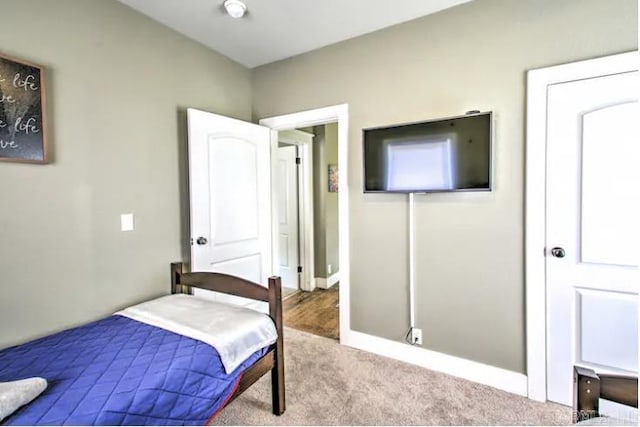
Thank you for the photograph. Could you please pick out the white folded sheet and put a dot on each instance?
(235, 332)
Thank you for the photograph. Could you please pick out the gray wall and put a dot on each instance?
(470, 286)
(118, 84)
(319, 203)
(325, 204)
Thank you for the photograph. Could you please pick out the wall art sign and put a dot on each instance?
(333, 178)
(22, 112)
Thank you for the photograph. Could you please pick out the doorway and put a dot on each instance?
(308, 120)
(315, 308)
(581, 204)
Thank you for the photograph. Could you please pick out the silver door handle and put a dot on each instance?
(201, 240)
(558, 252)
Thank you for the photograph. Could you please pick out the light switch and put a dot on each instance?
(126, 222)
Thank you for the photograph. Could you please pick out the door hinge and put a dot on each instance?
(298, 160)
(299, 269)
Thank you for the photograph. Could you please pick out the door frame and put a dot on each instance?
(304, 142)
(535, 200)
(321, 116)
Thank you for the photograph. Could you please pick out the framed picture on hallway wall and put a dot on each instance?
(22, 112)
(333, 178)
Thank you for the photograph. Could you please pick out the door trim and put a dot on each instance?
(535, 199)
(320, 116)
(304, 142)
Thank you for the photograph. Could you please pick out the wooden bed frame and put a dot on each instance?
(273, 360)
(589, 387)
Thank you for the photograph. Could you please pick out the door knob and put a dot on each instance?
(201, 240)
(557, 252)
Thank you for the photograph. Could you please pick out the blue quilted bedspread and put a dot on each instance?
(118, 371)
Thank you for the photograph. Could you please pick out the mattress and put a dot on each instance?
(118, 371)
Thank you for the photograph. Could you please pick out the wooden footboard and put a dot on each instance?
(589, 388)
(273, 360)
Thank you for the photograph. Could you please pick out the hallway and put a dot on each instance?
(314, 312)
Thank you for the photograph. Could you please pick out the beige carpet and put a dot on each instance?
(329, 384)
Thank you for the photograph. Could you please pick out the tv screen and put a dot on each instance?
(452, 154)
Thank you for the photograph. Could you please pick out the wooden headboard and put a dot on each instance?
(217, 282)
(589, 387)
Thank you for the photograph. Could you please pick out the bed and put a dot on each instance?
(121, 371)
(589, 387)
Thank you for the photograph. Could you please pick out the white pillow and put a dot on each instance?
(235, 332)
(14, 394)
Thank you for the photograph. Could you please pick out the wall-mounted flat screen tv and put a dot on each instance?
(451, 154)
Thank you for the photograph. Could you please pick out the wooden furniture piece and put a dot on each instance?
(273, 360)
(589, 387)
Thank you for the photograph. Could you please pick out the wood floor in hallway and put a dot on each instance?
(314, 312)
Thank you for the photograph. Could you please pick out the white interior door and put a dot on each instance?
(303, 141)
(592, 241)
(230, 195)
(287, 199)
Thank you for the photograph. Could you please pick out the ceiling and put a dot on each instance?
(277, 29)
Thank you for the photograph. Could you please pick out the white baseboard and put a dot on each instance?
(323, 283)
(503, 379)
(333, 279)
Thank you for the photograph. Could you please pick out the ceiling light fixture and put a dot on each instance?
(235, 8)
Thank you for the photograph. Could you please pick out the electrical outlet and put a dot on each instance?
(416, 336)
(329, 268)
